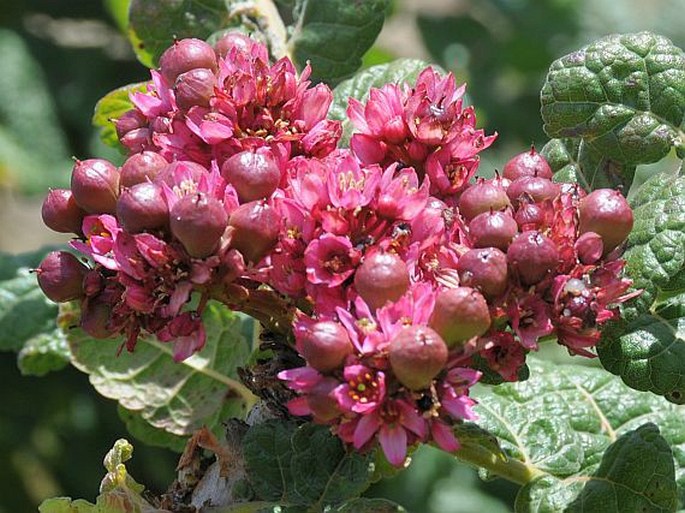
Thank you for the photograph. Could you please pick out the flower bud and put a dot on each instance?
(532, 256)
(528, 163)
(482, 197)
(534, 187)
(459, 314)
(198, 221)
(254, 174)
(140, 168)
(60, 276)
(417, 354)
(325, 345)
(130, 120)
(194, 87)
(95, 185)
(232, 39)
(381, 277)
(607, 213)
(492, 229)
(484, 269)
(61, 213)
(142, 207)
(184, 55)
(589, 247)
(256, 227)
(95, 316)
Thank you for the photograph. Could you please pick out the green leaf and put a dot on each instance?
(364, 505)
(334, 35)
(119, 493)
(118, 10)
(43, 353)
(559, 423)
(33, 149)
(153, 24)
(112, 106)
(614, 486)
(25, 312)
(178, 398)
(303, 465)
(623, 94)
(395, 72)
(143, 431)
(575, 161)
(656, 246)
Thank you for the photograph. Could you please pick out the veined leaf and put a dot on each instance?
(624, 95)
(175, 397)
(334, 35)
(561, 421)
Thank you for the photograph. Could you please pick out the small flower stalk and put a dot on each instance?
(398, 273)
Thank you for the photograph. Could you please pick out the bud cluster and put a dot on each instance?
(401, 273)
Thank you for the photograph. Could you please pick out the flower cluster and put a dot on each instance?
(402, 275)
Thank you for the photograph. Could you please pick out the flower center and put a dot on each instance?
(363, 388)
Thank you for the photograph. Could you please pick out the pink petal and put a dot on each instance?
(366, 428)
(394, 443)
(444, 437)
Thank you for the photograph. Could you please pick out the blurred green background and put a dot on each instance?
(59, 57)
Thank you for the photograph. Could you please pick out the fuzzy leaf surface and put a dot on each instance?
(303, 465)
(623, 94)
(334, 35)
(562, 420)
(180, 397)
(112, 106)
(647, 348)
(364, 505)
(574, 161)
(358, 86)
(153, 24)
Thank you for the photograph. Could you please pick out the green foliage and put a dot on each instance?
(153, 24)
(112, 106)
(575, 161)
(624, 95)
(303, 465)
(334, 35)
(33, 150)
(397, 71)
(370, 506)
(646, 349)
(559, 424)
(177, 398)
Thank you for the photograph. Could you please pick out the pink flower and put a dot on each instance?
(363, 390)
(350, 186)
(187, 333)
(101, 233)
(397, 425)
(330, 260)
(530, 318)
(400, 196)
(453, 391)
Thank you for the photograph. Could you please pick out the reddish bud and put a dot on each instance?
(460, 314)
(533, 216)
(140, 168)
(325, 345)
(95, 185)
(194, 87)
(484, 269)
(61, 213)
(492, 229)
(60, 276)
(142, 207)
(321, 400)
(232, 39)
(254, 174)
(589, 247)
(136, 140)
(95, 317)
(382, 277)
(184, 55)
(607, 213)
(417, 354)
(130, 120)
(532, 256)
(482, 197)
(534, 187)
(528, 163)
(256, 226)
(198, 221)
